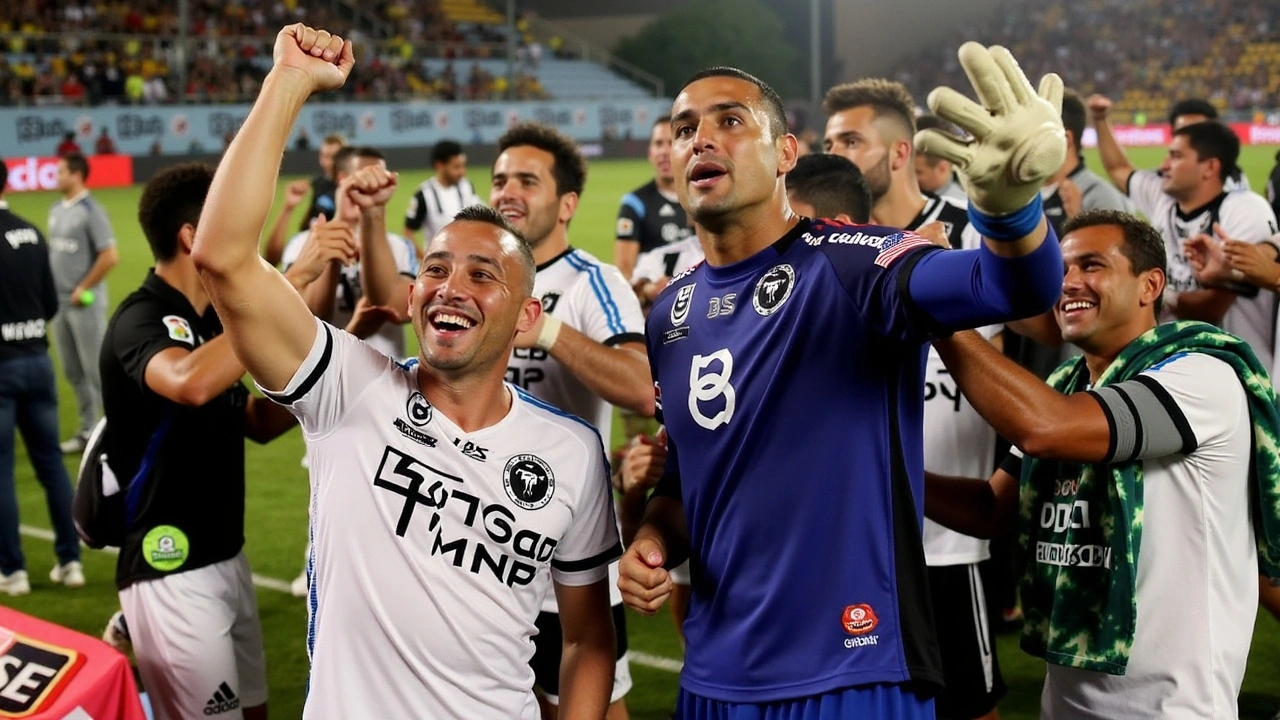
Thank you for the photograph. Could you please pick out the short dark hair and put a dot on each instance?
(832, 185)
(4, 177)
(485, 214)
(77, 164)
(773, 106)
(568, 167)
(1143, 245)
(664, 119)
(368, 152)
(173, 198)
(444, 151)
(886, 97)
(1192, 106)
(1074, 117)
(933, 122)
(344, 159)
(1214, 141)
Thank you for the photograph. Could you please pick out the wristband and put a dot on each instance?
(550, 331)
(1006, 228)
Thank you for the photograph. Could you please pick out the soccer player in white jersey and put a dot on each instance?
(1184, 199)
(872, 122)
(429, 562)
(586, 352)
(1174, 418)
(334, 296)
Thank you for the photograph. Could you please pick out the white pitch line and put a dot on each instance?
(639, 657)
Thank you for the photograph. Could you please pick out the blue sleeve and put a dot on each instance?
(970, 288)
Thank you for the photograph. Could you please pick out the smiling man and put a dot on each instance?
(428, 562)
(809, 591)
(1184, 198)
(1130, 486)
(585, 353)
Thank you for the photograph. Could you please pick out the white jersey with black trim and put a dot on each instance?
(433, 205)
(1245, 216)
(432, 548)
(389, 339)
(954, 216)
(593, 298)
(957, 443)
(668, 260)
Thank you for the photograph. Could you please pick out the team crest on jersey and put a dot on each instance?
(418, 410)
(680, 308)
(529, 481)
(179, 329)
(549, 302)
(773, 289)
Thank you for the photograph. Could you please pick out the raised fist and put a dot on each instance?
(324, 59)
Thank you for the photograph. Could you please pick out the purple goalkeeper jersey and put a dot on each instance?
(791, 385)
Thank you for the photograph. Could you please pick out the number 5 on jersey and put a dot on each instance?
(707, 385)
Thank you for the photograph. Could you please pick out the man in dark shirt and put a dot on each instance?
(651, 215)
(177, 416)
(28, 398)
(324, 185)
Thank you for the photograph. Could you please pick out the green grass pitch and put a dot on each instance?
(277, 491)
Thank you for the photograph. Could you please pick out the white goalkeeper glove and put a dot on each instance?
(1017, 137)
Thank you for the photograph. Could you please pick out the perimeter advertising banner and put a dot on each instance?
(178, 130)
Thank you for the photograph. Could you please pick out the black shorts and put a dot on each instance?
(969, 664)
(548, 645)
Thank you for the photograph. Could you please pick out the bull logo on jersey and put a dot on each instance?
(773, 289)
(529, 481)
(680, 308)
(418, 410)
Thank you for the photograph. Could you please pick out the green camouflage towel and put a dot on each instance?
(1079, 589)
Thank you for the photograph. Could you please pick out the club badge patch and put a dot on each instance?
(529, 481)
(179, 329)
(680, 308)
(418, 410)
(773, 290)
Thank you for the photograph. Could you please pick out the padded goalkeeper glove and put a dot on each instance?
(1017, 140)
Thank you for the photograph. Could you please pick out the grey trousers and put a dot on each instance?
(78, 333)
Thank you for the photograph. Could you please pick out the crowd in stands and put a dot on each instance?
(105, 51)
(1140, 52)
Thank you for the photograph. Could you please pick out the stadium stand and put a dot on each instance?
(1143, 53)
(95, 52)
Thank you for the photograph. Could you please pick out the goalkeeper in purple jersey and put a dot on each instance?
(789, 371)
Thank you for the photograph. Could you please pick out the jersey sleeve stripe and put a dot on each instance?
(595, 561)
(630, 200)
(621, 338)
(601, 290)
(557, 411)
(314, 377)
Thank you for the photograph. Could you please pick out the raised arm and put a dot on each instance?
(1015, 143)
(273, 248)
(380, 279)
(1117, 164)
(268, 323)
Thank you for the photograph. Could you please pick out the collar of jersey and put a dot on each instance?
(453, 431)
(751, 265)
(555, 259)
(170, 294)
(68, 202)
(1212, 205)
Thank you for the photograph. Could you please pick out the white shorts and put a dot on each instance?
(198, 641)
(680, 574)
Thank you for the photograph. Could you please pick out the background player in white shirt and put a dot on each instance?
(1184, 199)
(872, 122)
(429, 563)
(1191, 421)
(334, 296)
(440, 196)
(586, 352)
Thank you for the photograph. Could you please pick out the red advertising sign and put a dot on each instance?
(30, 174)
(1161, 135)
